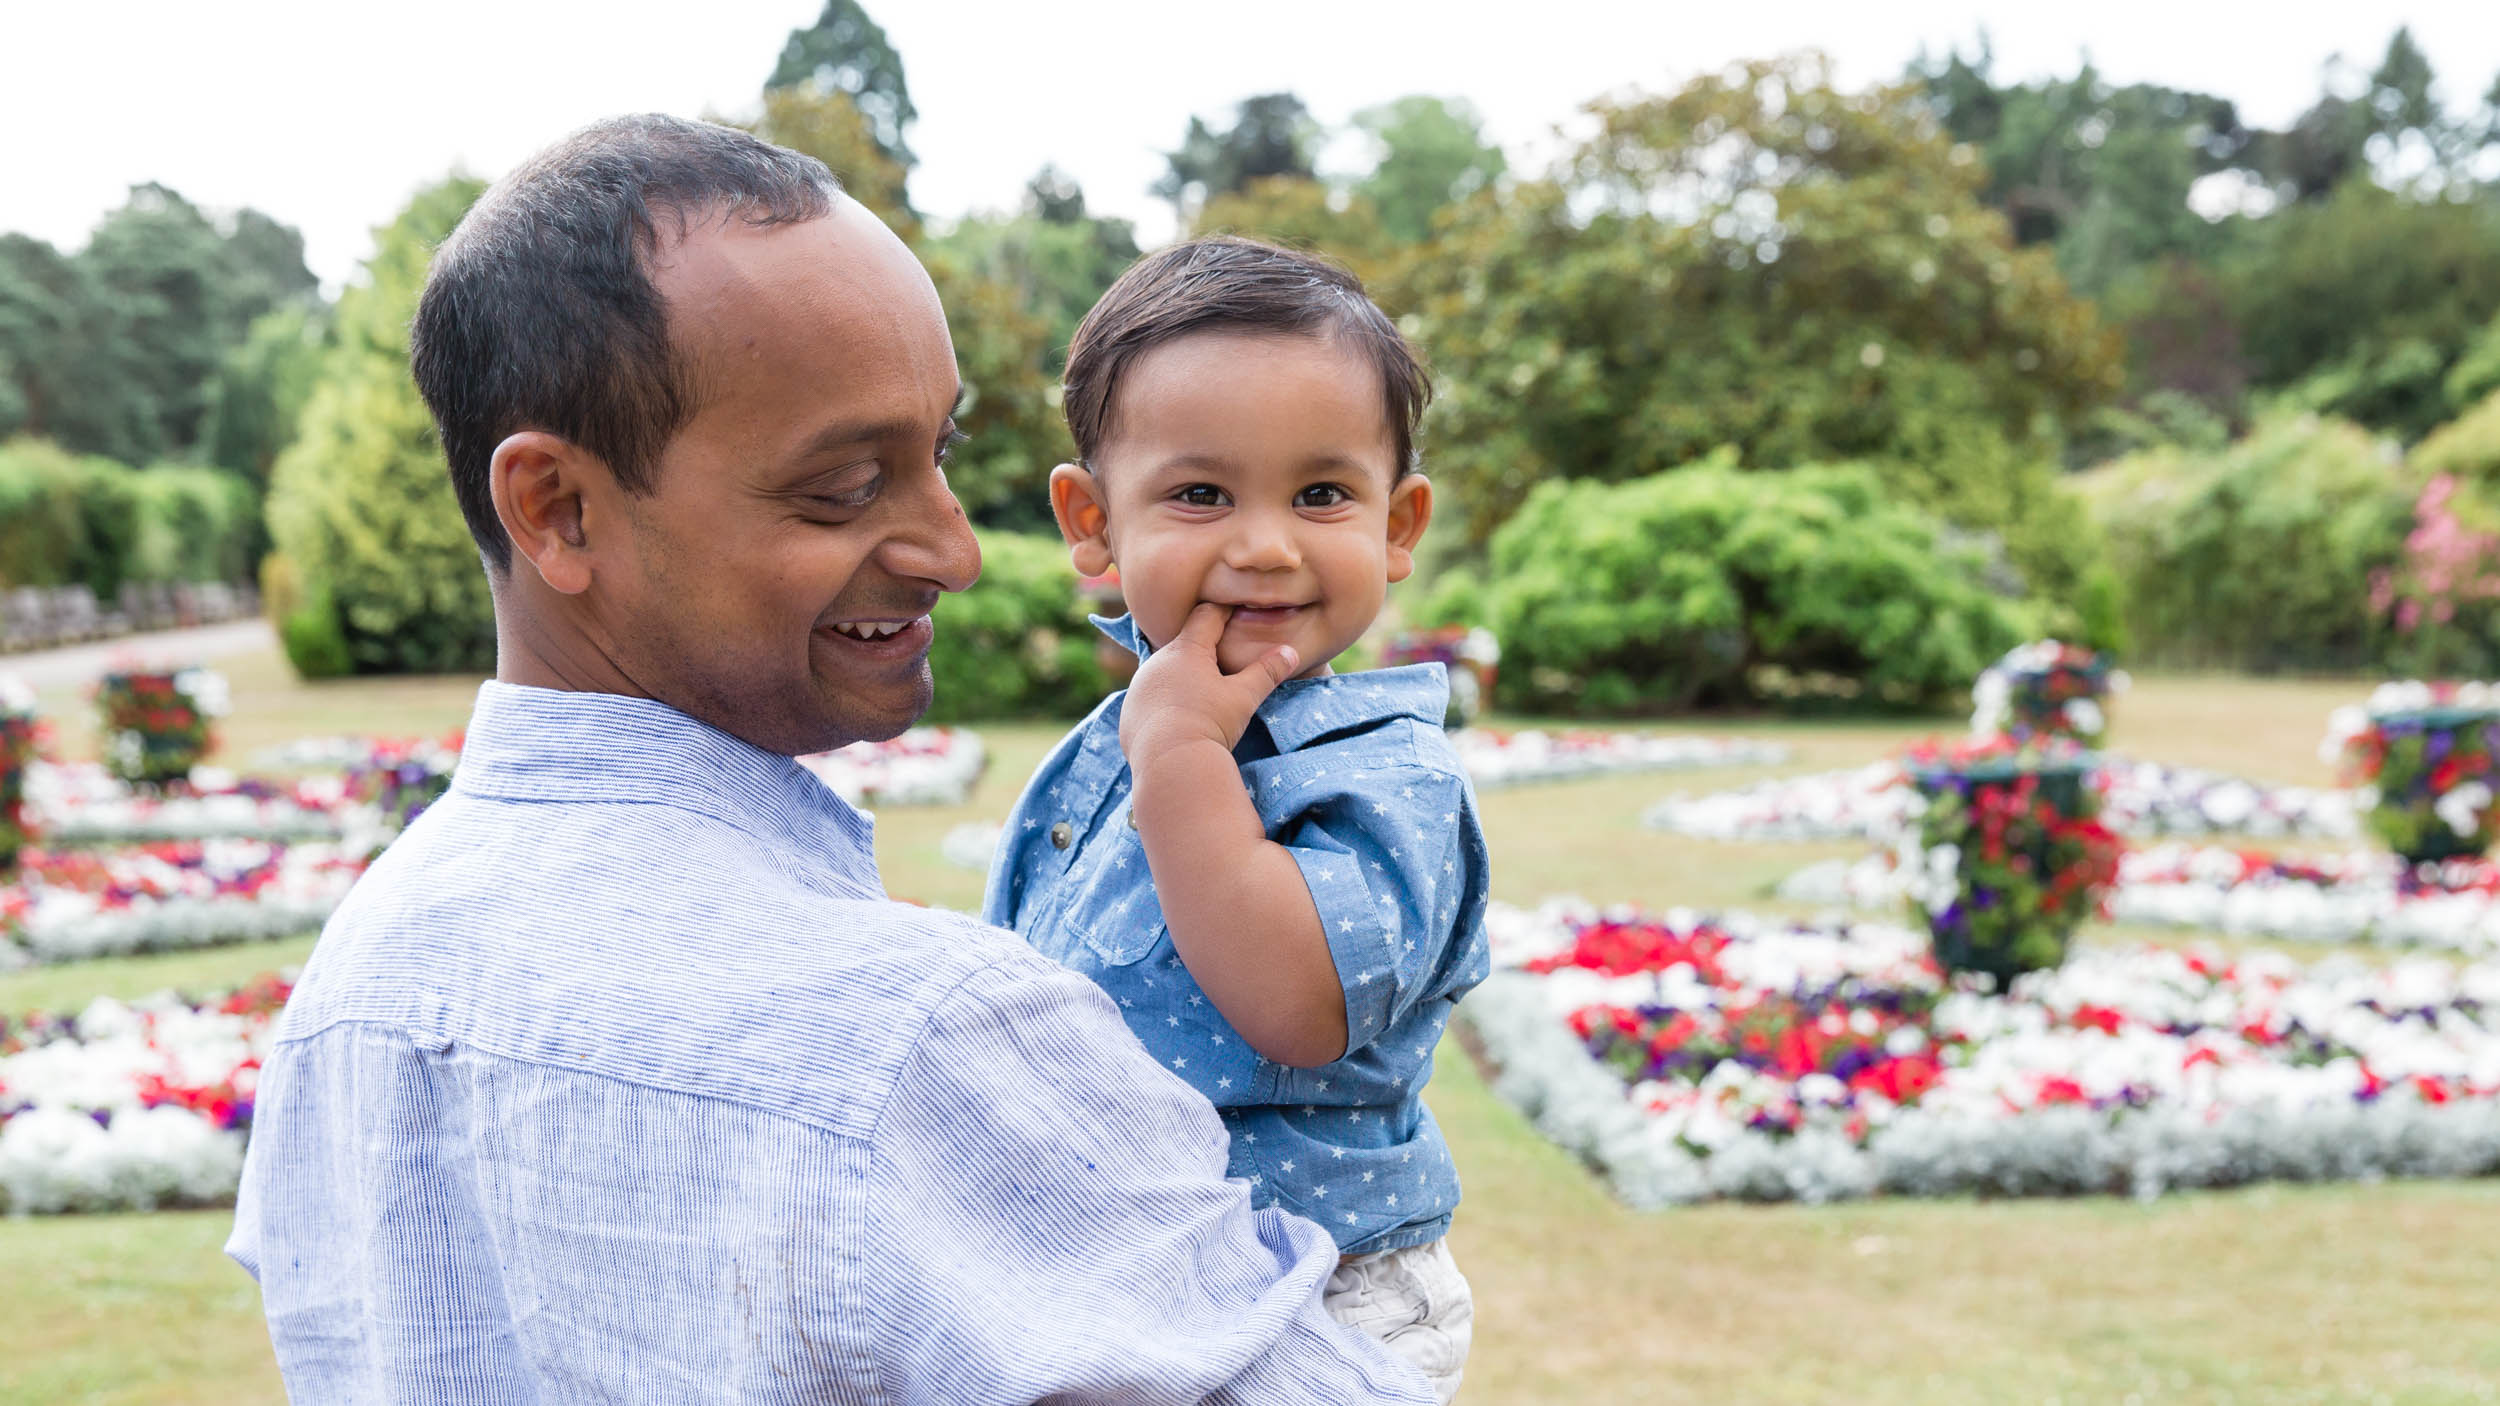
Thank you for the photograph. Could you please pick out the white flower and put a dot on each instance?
(2084, 716)
(2463, 807)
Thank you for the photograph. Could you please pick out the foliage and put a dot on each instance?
(2017, 857)
(116, 350)
(830, 127)
(1709, 585)
(1762, 261)
(2476, 374)
(2468, 447)
(2098, 171)
(195, 524)
(2366, 300)
(1017, 644)
(846, 53)
(1010, 412)
(65, 519)
(307, 621)
(1272, 135)
(1432, 155)
(361, 503)
(2442, 598)
(261, 385)
(1304, 214)
(1058, 258)
(2259, 556)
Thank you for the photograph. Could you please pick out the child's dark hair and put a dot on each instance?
(1225, 284)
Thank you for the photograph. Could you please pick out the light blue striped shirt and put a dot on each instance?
(619, 1079)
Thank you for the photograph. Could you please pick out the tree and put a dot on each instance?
(1432, 153)
(2100, 172)
(829, 126)
(846, 52)
(261, 385)
(1272, 135)
(385, 575)
(1304, 214)
(1759, 260)
(2366, 300)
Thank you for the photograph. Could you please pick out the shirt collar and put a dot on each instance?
(1301, 711)
(540, 744)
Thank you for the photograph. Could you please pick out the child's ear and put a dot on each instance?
(1076, 501)
(1410, 512)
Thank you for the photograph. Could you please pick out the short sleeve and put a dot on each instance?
(1390, 868)
(1051, 1220)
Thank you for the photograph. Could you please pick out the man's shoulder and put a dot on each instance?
(747, 985)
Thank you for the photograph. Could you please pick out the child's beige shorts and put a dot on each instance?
(1414, 1302)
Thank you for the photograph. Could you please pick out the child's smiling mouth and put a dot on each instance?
(1268, 613)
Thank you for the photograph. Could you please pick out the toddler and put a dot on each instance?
(1276, 871)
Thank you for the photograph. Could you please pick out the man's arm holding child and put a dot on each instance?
(1235, 902)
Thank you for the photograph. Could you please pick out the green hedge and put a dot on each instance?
(2259, 556)
(1708, 585)
(1017, 644)
(72, 519)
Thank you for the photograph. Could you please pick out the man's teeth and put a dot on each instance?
(871, 629)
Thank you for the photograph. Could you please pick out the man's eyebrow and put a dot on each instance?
(843, 433)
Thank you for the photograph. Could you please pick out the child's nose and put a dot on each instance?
(1264, 544)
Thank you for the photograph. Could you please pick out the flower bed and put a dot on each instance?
(2138, 798)
(131, 1107)
(17, 758)
(1690, 1059)
(69, 905)
(2363, 896)
(81, 803)
(1495, 759)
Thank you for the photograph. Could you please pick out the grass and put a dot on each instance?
(2271, 1294)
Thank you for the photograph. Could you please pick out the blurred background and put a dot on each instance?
(1795, 362)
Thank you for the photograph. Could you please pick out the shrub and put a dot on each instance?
(1709, 585)
(65, 519)
(2260, 556)
(2468, 447)
(194, 524)
(1017, 644)
(361, 504)
(308, 621)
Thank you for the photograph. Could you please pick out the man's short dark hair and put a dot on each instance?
(1226, 284)
(539, 313)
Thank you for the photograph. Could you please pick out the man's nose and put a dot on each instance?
(935, 543)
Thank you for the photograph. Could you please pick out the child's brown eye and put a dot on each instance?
(1202, 495)
(1322, 495)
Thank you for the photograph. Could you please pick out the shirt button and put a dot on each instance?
(1062, 835)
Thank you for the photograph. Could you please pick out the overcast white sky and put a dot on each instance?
(327, 113)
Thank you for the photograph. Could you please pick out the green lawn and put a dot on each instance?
(2275, 1294)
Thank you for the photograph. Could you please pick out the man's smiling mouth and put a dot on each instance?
(871, 629)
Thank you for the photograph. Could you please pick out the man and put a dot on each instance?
(618, 1078)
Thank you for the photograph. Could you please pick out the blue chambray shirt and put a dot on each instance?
(618, 1078)
(1354, 775)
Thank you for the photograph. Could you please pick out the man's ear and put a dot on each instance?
(538, 482)
(1410, 512)
(1076, 501)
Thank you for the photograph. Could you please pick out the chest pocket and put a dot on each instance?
(1112, 907)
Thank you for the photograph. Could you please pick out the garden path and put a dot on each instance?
(84, 663)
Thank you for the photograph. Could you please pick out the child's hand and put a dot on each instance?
(1181, 694)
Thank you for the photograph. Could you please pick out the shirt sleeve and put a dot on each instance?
(1050, 1220)
(1388, 864)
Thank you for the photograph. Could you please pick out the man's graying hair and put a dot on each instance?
(540, 314)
